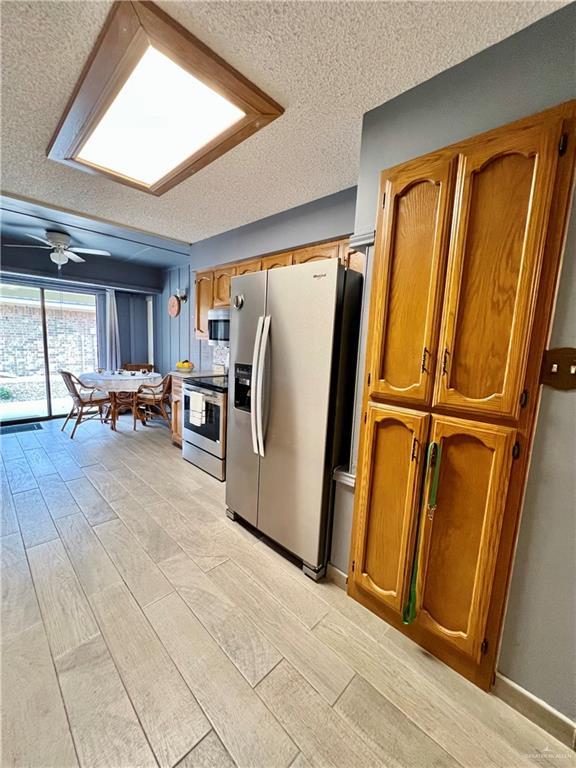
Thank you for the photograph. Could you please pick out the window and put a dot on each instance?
(42, 331)
(71, 333)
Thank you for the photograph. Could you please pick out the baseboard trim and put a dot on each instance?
(336, 575)
(541, 713)
(536, 710)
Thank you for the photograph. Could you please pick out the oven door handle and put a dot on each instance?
(255, 358)
(260, 383)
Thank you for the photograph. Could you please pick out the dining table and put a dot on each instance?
(119, 386)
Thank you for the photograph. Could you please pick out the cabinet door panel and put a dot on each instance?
(354, 260)
(221, 286)
(459, 539)
(316, 253)
(203, 303)
(249, 266)
(410, 256)
(502, 202)
(277, 260)
(394, 441)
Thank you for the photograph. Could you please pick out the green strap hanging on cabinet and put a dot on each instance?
(432, 463)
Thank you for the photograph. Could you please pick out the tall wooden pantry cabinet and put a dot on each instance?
(466, 262)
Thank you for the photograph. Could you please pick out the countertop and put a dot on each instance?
(182, 374)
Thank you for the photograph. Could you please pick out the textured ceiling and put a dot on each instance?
(326, 62)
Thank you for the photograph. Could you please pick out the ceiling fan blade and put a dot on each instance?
(90, 251)
(42, 239)
(74, 257)
(40, 247)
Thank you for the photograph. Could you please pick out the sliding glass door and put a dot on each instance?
(23, 390)
(43, 331)
(72, 343)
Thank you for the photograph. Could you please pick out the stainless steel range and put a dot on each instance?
(204, 404)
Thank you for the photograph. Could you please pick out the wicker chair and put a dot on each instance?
(138, 367)
(124, 401)
(150, 398)
(87, 402)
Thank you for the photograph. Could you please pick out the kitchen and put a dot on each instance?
(370, 385)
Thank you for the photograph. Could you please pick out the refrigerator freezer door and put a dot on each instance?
(301, 304)
(247, 307)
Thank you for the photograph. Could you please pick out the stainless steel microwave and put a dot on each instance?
(218, 326)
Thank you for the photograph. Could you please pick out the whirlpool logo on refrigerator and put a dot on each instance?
(319, 276)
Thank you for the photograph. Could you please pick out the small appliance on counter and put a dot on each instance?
(204, 405)
(218, 326)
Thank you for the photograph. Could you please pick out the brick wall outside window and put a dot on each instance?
(71, 343)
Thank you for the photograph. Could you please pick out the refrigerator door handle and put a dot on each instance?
(260, 383)
(253, 405)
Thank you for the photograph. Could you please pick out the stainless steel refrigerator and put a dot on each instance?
(293, 348)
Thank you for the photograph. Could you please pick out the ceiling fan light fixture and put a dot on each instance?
(59, 257)
(154, 104)
(59, 244)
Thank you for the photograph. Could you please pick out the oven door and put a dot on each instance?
(204, 420)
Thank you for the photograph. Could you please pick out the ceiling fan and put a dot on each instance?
(58, 243)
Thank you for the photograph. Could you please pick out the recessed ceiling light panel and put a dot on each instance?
(154, 104)
(160, 117)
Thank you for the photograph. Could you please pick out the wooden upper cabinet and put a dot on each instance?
(221, 286)
(459, 538)
(502, 202)
(355, 260)
(203, 299)
(317, 253)
(394, 442)
(245, 267)
(407, 287)
(277, 260)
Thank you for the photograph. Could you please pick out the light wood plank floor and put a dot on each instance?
(140, 627)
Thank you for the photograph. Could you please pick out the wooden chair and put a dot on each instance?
(138, 367)
(87, 402)
(152, 397)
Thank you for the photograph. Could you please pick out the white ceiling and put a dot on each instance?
(326, 62)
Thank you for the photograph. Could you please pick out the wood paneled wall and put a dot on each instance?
(172, 336)
(133, 324)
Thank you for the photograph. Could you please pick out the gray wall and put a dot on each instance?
(323, 219)
(539, 642)
(526, 73)
(173, 337)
